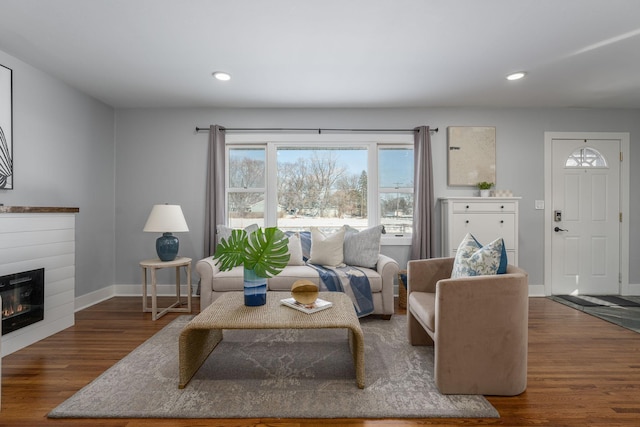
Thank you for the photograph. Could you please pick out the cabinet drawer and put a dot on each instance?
(485, 228)
(492, 207)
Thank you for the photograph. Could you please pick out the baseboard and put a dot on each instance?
(162, 290)
(93, 298)
(103, 294)
(536, 290)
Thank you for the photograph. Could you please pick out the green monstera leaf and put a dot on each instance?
(230, 252)
(265, 251)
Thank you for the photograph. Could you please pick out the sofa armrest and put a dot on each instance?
(423, 274)
(387, 268)
(206, 268)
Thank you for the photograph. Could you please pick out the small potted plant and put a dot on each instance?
(263, 253)
(484, 188)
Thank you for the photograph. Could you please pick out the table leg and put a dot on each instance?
(144, 289)
(189, 291)
(178, 286)
(195, 345)
(154, 295)
(356, 342)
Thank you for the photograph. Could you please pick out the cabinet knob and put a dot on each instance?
(467, 206)
(501, 221)
(502, 207)
(466, 222)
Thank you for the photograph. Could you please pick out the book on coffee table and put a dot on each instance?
(317, 305)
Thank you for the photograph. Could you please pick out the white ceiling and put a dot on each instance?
(334, 53)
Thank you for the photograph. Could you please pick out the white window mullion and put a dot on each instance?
(271, 193)
(373, 207)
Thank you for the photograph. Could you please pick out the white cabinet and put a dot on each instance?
(487, 218)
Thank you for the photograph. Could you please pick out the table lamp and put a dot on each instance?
(166, 219)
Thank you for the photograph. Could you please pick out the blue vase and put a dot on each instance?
(255, 289)
(167, 247)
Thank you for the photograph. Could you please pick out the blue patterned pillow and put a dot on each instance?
(473, 259)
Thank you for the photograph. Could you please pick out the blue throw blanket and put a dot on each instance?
(350, 280)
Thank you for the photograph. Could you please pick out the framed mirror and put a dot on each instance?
(471, 155)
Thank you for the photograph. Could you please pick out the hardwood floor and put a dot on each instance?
(583, 371)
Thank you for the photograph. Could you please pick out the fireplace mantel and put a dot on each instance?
(37, 209)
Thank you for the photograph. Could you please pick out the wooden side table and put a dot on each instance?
(156, 264)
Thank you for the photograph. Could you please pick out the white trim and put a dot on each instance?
(93, 298)
(624, 138)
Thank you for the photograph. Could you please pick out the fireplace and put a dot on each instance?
(22, 299)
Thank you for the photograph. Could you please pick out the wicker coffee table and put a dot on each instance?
(201, 335)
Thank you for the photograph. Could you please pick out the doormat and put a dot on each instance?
(622, 311)
(599, 300)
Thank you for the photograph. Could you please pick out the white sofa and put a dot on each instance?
(214, 282)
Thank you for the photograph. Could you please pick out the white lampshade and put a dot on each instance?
(166, 219)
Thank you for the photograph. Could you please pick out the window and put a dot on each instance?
(246, 177)
(586, 158)
(395, 187)
(321, 186)
(296, 182)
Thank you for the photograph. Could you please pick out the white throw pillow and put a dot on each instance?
(361, 248)
(295, 249)
(327, 249)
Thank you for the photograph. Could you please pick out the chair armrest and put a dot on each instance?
(423, 274)
(206, 268)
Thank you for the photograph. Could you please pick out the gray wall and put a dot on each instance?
(159, 158)
(71, 150)
(63, 154)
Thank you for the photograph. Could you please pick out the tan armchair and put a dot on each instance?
(478, 326)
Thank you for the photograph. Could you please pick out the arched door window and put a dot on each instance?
(586, 158)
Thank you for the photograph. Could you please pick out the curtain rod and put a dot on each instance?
(319, 130)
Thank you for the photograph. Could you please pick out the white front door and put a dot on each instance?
(585, 243)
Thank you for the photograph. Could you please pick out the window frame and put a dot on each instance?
(369, 141)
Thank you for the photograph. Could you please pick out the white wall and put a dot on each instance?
(63, 152)
(151, 140)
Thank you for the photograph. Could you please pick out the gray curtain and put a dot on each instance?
(422, 242)
(214, 207)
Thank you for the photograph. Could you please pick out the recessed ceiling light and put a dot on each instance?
(516, 76)
(221, 75)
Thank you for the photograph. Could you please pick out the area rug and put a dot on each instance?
(622, 311)
(276, 374)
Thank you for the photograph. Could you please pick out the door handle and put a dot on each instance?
(559, 229)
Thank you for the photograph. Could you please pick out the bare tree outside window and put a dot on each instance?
(319, 184)
(246, 194)
(325, 186)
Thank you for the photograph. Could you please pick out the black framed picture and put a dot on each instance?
(6, 128)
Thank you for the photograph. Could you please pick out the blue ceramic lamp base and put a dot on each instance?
(167, 247)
